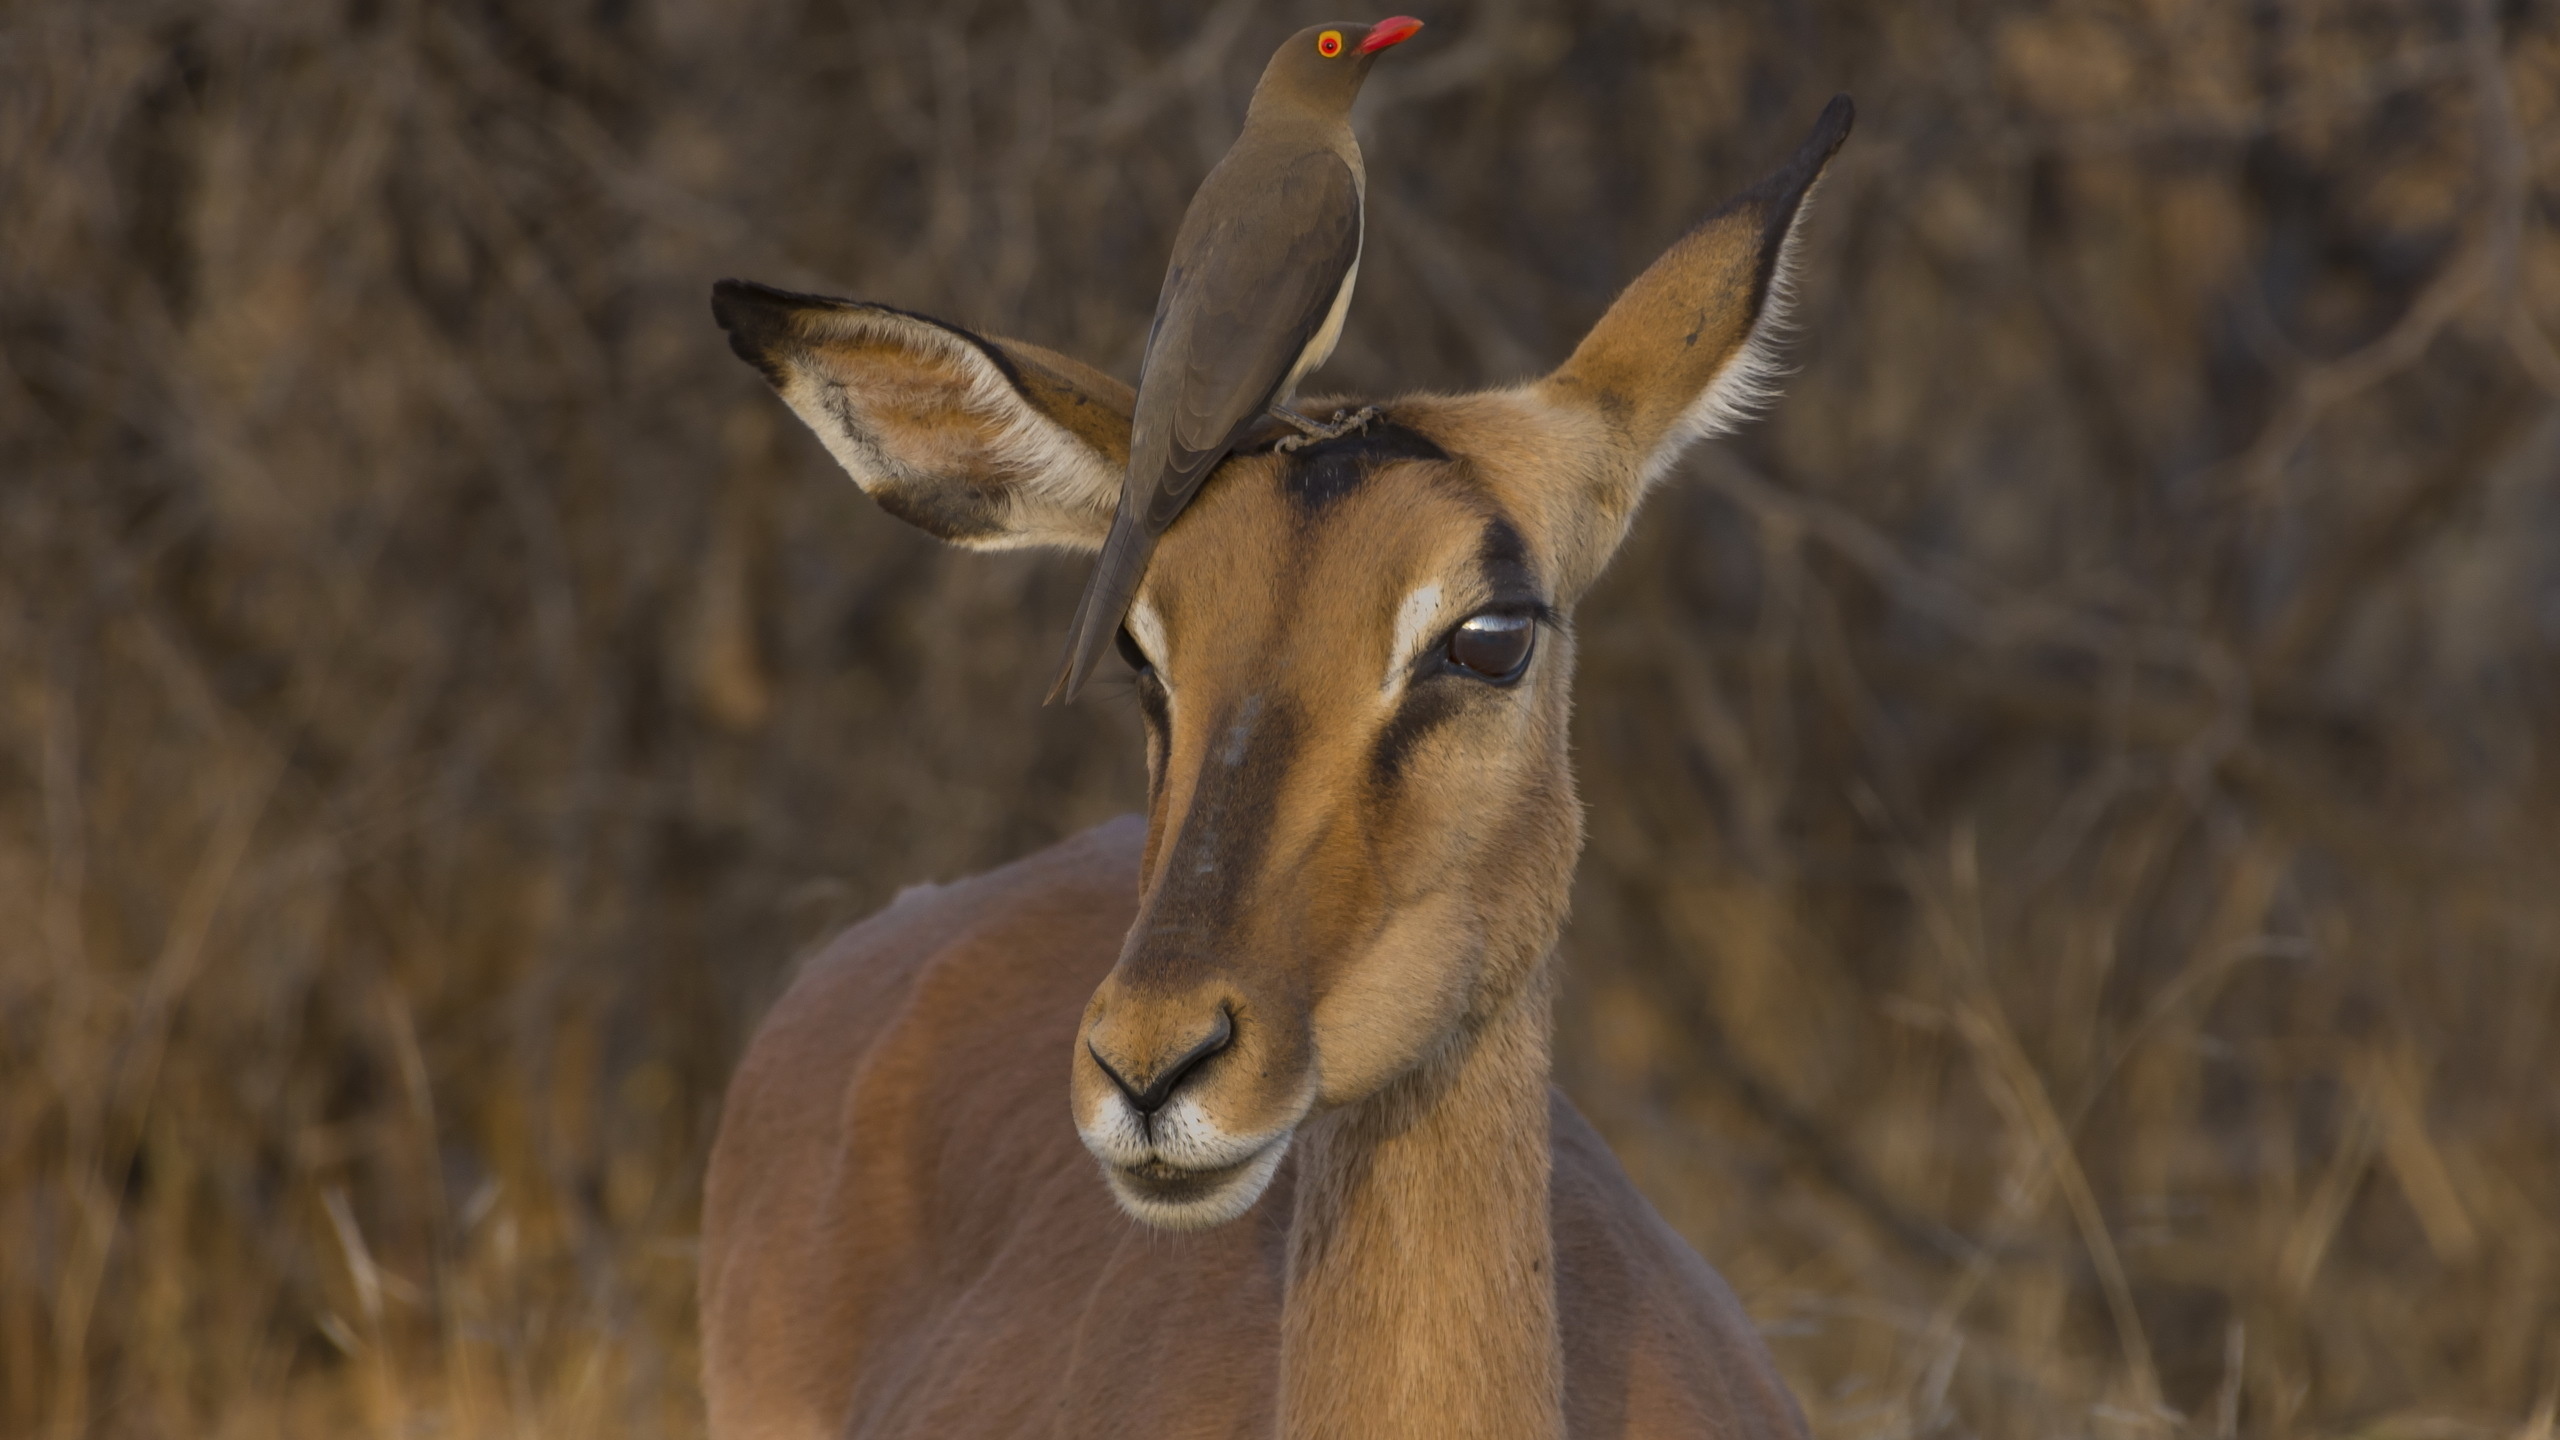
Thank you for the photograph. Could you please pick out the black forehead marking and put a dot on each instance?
(1322, 473)
(1504, 558)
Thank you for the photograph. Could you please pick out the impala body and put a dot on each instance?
(1302, 1010)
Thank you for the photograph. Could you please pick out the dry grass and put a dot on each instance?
(2070, 925)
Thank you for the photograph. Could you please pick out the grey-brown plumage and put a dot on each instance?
(1253, 299)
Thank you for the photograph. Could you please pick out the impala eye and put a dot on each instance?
(1494, 647)
(1130, 652)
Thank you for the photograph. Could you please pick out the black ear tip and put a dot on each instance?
(1832, 127)
(758, 319)
(1790, 183)
(738, 302)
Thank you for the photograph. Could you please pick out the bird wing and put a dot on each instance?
(1259, 261)
(1260, 264)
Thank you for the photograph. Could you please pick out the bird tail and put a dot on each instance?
(1105, 603)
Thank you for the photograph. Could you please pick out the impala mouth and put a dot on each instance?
(1177, 1197)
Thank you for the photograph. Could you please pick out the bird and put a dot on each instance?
(1254, 294)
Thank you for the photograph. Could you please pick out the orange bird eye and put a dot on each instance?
(1329, 44)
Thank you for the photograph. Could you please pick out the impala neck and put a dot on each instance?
(1421, 1293)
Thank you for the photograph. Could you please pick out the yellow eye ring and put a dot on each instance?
(1329, 44)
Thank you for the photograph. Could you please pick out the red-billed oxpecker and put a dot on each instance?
(1253, 300)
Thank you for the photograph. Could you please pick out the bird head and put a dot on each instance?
(1324, 64)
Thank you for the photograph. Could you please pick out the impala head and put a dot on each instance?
(1353, 663)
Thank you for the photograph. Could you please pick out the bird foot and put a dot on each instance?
(1315, 432)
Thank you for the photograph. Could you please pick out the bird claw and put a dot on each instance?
(1310, 432)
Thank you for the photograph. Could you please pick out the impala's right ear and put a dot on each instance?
(1686, 352)
(992, 444)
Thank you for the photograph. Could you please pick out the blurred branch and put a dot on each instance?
(2360, 563)
(2491, 260)
(2303, 805)
(2510, 167)
(1495, 40)
(2257, 472)
(1443, 267)
(1952, 917)
(1990, 618)
(2410, 70)
(1675, 982)
(1188, 71)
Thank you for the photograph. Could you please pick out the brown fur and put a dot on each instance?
(903, 1237)
(1347, 894)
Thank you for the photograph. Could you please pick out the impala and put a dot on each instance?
(1303, 1007)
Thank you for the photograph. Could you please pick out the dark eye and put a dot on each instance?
(1494, 647)
(1130, 652)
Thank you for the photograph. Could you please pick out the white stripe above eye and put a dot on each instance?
(1416, 620)
(1148, 631)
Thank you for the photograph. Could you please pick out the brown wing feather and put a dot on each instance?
(1261, 257)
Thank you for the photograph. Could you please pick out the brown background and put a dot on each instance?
(2071, 924)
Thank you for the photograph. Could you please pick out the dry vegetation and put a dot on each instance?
(2071, 924)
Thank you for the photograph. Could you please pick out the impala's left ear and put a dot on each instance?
(1689, 350)
(988, 443)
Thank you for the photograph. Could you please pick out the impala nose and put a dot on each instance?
(1148, 1088)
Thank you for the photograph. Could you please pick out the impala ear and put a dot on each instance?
(1689, 350)
(992, 444)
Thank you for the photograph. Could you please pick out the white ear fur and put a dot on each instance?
(1749, 383)
(1049, 487)
(1688, 349)
(988, 444)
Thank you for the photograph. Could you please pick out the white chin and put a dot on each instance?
(1174, 1199)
